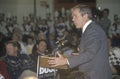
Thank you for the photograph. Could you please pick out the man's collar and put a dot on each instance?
(85, 26)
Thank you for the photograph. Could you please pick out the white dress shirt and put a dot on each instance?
(85, 26)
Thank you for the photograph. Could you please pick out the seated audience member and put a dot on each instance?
(17, 29)
(33, 35)
(44, 28)
(40, 49)
(60, 27)
(114, 31)
(29, 45)
(27, 74)
(3, 71)
(41, 36)
(26, 26)
(16, 63)
(114, 60)
(18, 38)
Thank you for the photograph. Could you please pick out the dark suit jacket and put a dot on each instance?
(93, 56)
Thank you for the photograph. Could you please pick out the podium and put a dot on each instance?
(43, 60)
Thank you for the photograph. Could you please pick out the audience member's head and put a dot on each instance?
(41, 36)
(16, 37)
(30, 40)
(40, 47)
(12, 48)
(27, 74)
(105, 12)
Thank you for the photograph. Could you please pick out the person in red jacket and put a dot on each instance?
(3, 71)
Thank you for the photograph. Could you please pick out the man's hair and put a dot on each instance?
(107, 10)
(15, 44)
(84, 9)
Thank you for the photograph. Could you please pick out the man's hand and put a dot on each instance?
(57, 61)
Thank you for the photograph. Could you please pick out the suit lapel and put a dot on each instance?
(82, 40)
(88, 27)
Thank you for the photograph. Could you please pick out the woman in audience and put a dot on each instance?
(40, 49)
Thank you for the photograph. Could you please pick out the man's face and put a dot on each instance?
(105, 14)
(78, 19)
(11, 50)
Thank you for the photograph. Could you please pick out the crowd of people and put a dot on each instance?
(21, 44)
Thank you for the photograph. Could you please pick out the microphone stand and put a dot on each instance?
(57, 50)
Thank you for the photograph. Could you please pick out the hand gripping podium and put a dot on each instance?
(43, 62)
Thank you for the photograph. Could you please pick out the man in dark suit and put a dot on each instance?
(93, 55)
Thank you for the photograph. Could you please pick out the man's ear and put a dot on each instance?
(85, 15)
